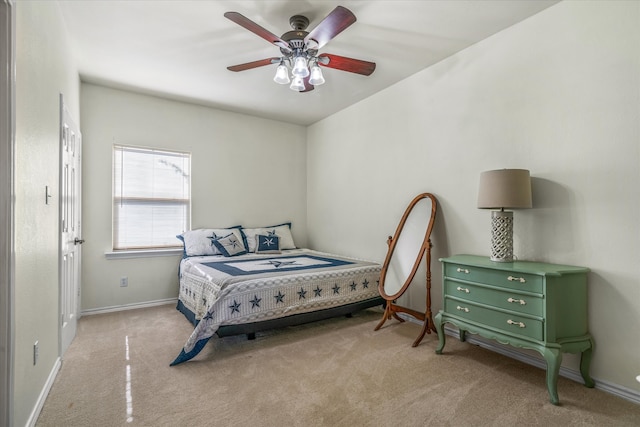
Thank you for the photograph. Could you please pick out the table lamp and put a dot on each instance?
(503, 189)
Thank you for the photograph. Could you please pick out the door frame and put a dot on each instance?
(7, 249)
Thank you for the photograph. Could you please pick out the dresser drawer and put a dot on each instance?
(506, 299)
(509, 323)
(505, 279)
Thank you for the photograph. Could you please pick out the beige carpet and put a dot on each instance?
(331, 373)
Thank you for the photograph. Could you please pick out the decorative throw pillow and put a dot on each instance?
(283, 231)
(230, 245)
(267, 244)
(199, 242)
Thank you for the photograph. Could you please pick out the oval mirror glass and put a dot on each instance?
(407, 247)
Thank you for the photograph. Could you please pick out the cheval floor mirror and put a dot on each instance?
(408, 246)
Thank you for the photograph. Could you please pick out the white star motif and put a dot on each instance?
(268, 242)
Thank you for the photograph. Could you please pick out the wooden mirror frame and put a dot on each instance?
(391, 308)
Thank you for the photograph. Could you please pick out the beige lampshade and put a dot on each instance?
(505, 188)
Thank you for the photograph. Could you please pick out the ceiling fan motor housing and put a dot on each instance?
(295, 39)
(299, 22)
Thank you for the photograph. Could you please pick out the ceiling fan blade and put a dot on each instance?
(347, 64)
(308, 87)
(334, 23)
(245, 22)
(254, 64)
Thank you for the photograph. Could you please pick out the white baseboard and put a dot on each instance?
(44, 393)
(572, 374)
(133, 306)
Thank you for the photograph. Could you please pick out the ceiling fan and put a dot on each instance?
(299, 49)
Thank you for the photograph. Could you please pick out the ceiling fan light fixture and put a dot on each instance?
(297, 84)
(300, 68)
(282, 75)
(299, 49)
(316, 78)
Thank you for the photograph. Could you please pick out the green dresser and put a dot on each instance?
(526, 304)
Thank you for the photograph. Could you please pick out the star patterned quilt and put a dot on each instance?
(218, 290)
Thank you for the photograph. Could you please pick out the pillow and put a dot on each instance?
(283, 231)
(230, 245)
(199, 242)
(267, 244)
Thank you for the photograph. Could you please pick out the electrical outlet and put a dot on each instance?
(35, 353)
(124, 282)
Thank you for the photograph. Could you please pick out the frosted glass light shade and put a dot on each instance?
(297, 84)
(282, 75)
(316, 78)
(300, 67)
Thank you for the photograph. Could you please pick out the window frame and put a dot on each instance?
(145, 250)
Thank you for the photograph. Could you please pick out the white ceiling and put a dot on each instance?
(180, 49)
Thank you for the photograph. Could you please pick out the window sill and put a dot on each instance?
(148, 253)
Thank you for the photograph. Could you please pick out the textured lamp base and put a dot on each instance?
(502, 236)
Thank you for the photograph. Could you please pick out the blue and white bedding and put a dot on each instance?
(218, 290)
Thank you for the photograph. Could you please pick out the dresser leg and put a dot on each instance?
(554, 359)
(585, 362)
(441, 340)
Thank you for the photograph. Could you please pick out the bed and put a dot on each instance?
(242, 286)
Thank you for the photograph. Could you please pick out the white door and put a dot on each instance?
(70, 226)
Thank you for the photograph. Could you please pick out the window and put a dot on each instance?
(151, 197)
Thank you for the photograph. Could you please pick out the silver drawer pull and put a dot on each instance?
(465, 290)
(516, 279)
(465, 309)
(511, 322)
(462, 270)
(520, 301)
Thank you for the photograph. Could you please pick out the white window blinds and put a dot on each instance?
(151, 197)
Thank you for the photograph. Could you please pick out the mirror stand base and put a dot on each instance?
(392, 310)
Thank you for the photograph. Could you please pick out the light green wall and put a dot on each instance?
(245, 170)
(557, 94)
(44, 69)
